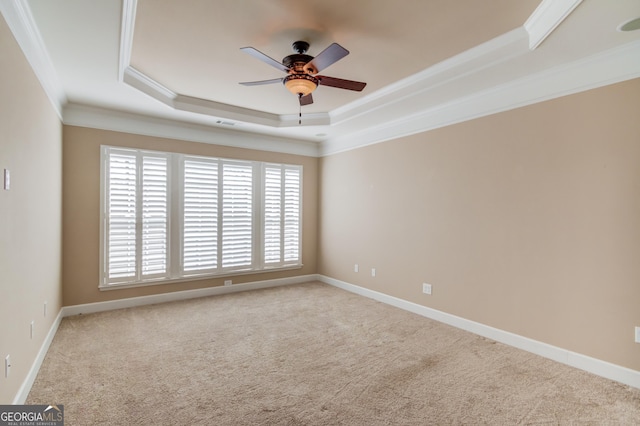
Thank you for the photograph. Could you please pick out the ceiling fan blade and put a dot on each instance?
(306, 100)
(259, 83)
(264, 58)
(328, 56)
(340, 83)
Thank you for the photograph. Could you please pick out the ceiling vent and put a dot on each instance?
(631, 25)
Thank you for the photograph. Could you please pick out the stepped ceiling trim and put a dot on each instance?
(454, 90)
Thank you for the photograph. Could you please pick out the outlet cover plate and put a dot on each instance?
(426, 288)
(7, 179)
(637, 334)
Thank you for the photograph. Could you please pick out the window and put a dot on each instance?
(168, 217)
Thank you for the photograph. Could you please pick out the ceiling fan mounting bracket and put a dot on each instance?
(300, 47)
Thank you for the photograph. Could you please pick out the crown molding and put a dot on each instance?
(489, 53)
(127, 26)
(547, 16)
(128, 122)
(609, 67)
(18, 16)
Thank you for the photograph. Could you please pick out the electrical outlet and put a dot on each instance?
(228, 282)
(373, 272)
(7, 365)
(637, 334)
(426, 288)
(355, 268)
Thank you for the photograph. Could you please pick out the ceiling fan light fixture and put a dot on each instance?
(300, 84)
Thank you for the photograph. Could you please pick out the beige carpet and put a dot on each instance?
(307, 354)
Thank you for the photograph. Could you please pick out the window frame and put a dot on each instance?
(176, 220)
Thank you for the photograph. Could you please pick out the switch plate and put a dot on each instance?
(45, 309)
(637, 334)
(426, 288)
(373, 272)
(355, 268)
(7, 365)
(7, 179)
(228, 282)
(32, 326)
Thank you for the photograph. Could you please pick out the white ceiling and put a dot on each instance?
(172, 67)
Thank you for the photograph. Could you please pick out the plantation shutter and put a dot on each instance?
(121, 217)
(170, 217)
(292, 226)
(200, 216)
(237, 215)
(273, 214)
(281, 214)
(155, 216)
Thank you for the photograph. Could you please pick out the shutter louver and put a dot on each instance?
(155, 216)
(237, 215)
(121, 224)
(200, 226)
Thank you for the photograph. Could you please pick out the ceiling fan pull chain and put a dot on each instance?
(300, 109)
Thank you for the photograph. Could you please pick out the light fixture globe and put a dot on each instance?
(300, 84)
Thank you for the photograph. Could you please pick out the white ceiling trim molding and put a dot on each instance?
(609, 67)
(127, 122)
(547, 16)
(473, 61)
(20, 20)
(156, 90)
(129, 8)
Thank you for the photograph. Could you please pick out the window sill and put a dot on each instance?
(108, 287)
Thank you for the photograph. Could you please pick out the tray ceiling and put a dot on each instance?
(172, 68)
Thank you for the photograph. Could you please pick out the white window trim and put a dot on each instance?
(175, 273)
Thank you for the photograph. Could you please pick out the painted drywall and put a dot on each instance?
(81, 211)
(527, 221)
(30, 214)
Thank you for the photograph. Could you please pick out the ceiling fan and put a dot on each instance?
(302, 70)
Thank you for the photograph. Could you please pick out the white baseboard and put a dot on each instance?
(583, 362)
(24, 390)
(181, 295)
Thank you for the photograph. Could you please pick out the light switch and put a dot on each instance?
(7, 179)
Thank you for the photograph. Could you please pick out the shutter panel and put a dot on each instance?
(200, 216)
(237, 215)
(121, 217)
(155, 216)
(272, 215)
(292, 212)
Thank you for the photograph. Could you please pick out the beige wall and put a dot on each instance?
(81, 205)
(30, 214)
(528, 220)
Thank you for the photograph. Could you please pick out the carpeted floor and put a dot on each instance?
(307, 354)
